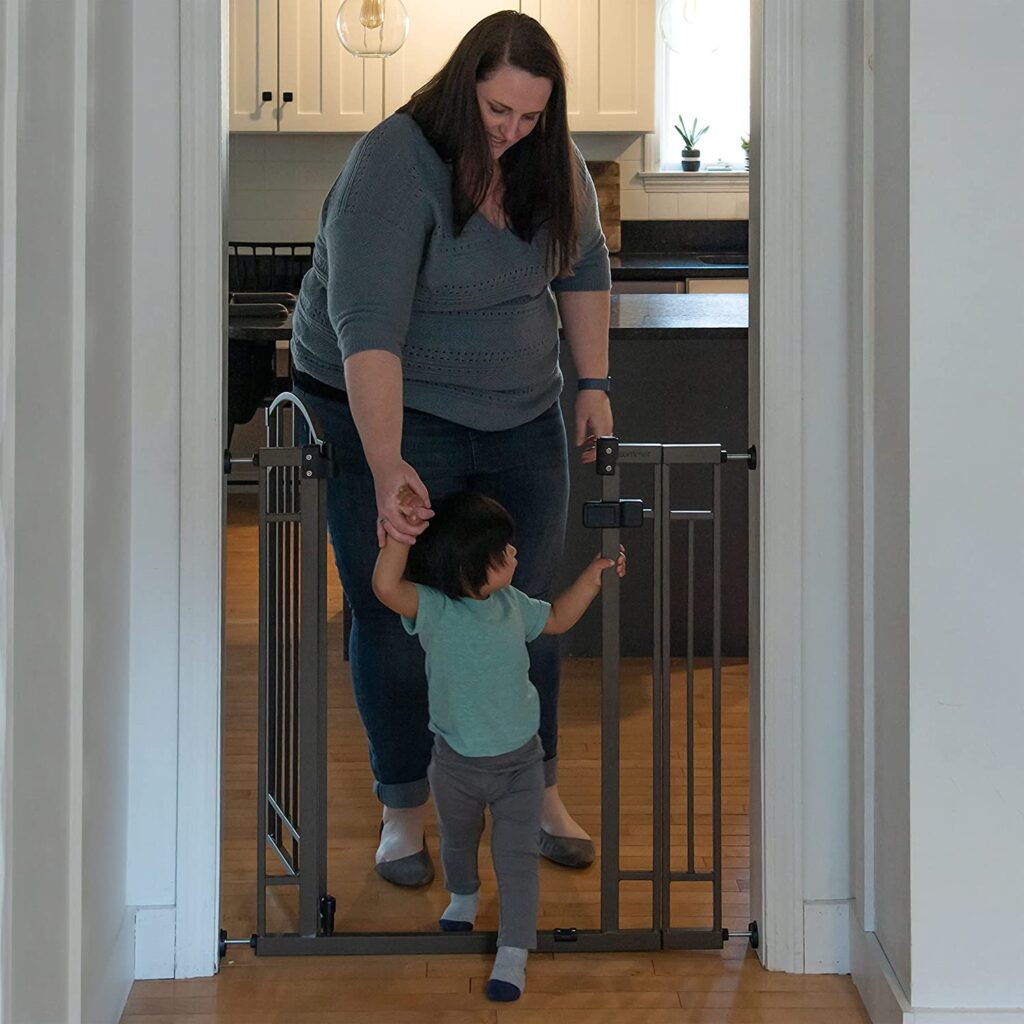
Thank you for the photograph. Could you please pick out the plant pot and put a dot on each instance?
(691, 159)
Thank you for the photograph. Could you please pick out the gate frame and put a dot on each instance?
(292, 673)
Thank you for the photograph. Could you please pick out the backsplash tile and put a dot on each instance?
(277, 184)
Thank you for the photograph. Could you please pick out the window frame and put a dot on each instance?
(652, 176)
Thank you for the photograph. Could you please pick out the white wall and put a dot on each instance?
(825, 290)
(69, 935)
(938, 823)
(155, 390)
(966, 366)
(891, 510)
(8, 247)
(40, 971)
(107, 924)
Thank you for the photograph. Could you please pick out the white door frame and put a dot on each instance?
(777, 265)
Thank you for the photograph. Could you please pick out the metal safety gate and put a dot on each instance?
(292, 764)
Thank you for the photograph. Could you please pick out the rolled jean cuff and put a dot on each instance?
(402, 795)
(550, 771)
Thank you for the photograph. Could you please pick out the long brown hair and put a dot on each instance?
(540, 172)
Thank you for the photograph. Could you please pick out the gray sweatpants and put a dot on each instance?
(512, 785)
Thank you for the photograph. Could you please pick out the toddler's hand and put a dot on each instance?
(600, 564)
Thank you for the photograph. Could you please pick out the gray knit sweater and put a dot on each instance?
(472, 317)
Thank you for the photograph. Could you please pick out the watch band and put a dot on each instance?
(594, 384)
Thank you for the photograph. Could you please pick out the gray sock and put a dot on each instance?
(508, 978)
(460, 914)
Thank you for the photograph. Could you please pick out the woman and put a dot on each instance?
(425, 340)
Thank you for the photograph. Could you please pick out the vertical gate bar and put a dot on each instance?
(262, 710)
(293, 651)
(610, 490)
(280, 583)
(312, 760)
(287, 642)
(279, 633)
(273, 662)
(716, 692)
(658, 863)
(317, 619)
(666, 675)
(296, 633)
(690, 774)
(295, 493)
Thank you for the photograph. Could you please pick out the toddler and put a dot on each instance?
(453, 589)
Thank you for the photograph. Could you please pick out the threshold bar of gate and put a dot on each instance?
(693, 938)
(414, 944)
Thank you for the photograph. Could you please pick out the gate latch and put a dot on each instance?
(613, 515)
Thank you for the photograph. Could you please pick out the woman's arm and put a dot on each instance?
(373, 381)
(585, 317)
(393, 590)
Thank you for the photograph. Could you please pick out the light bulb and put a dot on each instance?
(371, 14)
(372, 28)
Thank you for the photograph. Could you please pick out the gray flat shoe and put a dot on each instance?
(569, 852)
(415, 870)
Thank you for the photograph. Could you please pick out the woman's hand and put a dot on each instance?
(593, 420)
(403, 503)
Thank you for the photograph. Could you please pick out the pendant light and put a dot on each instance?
(689, 25)
(372, 28)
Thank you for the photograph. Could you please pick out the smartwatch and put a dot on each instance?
(594, 384)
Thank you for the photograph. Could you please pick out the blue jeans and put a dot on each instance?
(526, 469)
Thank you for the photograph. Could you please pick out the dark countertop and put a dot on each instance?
(648, 316)
(262, 328)
(679, 316)
(662, 266)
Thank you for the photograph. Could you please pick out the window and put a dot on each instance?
(704, 73)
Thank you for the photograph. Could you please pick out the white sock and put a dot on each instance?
(508, 977)
(461, 911)
(402, 834)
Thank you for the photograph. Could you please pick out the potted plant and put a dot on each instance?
(690, 137)
(745, 144)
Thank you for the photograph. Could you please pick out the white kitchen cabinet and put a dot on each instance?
(608, 47)
(252, 66)
(435, 29)
(288, 72)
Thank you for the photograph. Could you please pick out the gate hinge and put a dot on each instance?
(317, 461)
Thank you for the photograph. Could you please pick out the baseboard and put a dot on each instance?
(879, 989)
(983, 1016)
(826, 937)
(154, 942)
(887, 1003)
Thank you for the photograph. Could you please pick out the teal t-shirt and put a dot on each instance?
(482, 702)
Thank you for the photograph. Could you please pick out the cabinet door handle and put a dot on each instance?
(267, 96)
(286, 97)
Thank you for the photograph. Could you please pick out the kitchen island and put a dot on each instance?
(678, 365)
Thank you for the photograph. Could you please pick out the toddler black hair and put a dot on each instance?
(467, 536)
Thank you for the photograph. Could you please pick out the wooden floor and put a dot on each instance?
(727, 986)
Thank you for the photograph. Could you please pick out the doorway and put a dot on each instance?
(775, 537)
